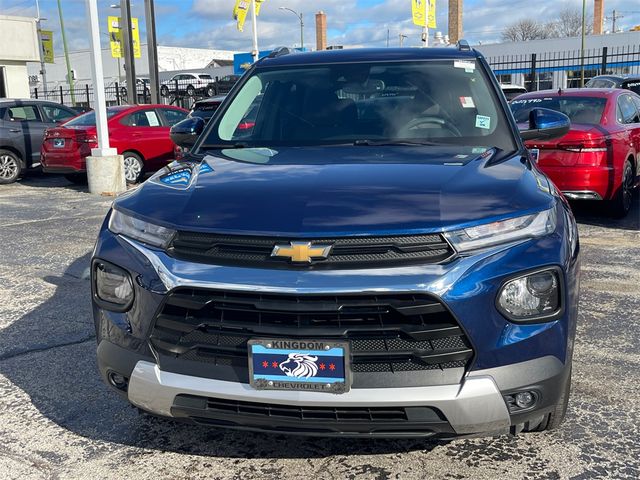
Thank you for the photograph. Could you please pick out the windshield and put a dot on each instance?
(443, 101)
(586, 110)
(89, 119)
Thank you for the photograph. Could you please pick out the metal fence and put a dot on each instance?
(563, 69)
(533, 71)
(175, 92)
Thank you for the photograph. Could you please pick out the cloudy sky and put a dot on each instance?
(208, 23)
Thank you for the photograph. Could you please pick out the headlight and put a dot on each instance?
(113, 285)
(137, 229)
(531, 297)
(504, 231)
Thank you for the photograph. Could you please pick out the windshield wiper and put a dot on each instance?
(384, 143)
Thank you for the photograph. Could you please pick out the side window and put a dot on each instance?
(636, 101)
(57, 114)
(142, 118)
(627, 112)
(23, 113)
(173, 116)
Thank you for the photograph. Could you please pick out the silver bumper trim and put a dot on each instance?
(473, 407)
(582, 195)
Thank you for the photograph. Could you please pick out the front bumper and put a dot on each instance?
(508, 357)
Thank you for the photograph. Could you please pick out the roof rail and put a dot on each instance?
(279, 51)
(463, 45)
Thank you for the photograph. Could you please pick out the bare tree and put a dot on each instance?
(524, 30)
(568, 24)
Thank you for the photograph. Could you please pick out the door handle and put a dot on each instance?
(15, 130)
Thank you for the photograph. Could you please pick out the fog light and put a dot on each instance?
(113, 284)
(119, 381)
(531, 296)
(525, 399)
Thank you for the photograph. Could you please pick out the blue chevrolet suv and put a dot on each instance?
(374, 253)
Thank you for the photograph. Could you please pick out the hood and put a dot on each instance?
(338, 191)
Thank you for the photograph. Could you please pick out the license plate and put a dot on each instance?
(535, 153)
(300, 365)
(58, 142)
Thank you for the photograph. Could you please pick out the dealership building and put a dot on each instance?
(556, 62)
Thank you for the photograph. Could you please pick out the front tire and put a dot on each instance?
(211, 92)
(191, 91)
(621, 204)
(10, 167)
(133, 167)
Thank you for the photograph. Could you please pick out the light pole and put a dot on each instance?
(299, 15)
(66, 56)
(584, 16)
(43, 70)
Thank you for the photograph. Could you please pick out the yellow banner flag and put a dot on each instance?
(258, 5)
(240, 12)
(424, 9)
(115, 37)
(47, 46)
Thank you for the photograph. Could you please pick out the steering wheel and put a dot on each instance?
(428, 120)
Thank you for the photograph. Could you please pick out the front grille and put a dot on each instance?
(345, 252)
(387, 333)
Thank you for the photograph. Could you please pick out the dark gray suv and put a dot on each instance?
(22, 126)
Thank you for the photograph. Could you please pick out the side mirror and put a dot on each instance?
(545, 124)
(186, 132)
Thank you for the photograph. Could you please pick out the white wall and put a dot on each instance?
(18, 45)
(16, 79)
(19, 39)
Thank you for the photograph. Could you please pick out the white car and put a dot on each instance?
(512, 91)
(189, 83)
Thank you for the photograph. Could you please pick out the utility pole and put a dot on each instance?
(425, 29)
(584, 21)
(402, 37)
(152, 50)
(387, 38)
(66, 56)
(299, 15)
(43, 70)
(614, 17)
(254, 22)
(129, 59)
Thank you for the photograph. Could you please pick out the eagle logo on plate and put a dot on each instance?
(302, 251)
(300, 365)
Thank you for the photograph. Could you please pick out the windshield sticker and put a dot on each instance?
(478, 149)
(152, 118)
(526, 100)
(483, 122)
(469, 66)
(467, 102)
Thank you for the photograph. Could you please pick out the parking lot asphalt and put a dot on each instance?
(57, 419)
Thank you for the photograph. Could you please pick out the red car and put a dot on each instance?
(600, 156)
(139, 132)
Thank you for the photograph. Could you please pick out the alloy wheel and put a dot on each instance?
(9, 167)
(132, 169)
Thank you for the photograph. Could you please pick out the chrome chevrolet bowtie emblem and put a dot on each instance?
(301, 251)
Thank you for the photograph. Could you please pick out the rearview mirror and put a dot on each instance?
(186, 132)
(545, 124)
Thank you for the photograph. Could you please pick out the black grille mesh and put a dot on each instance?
(345, 252)
(387, 333)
